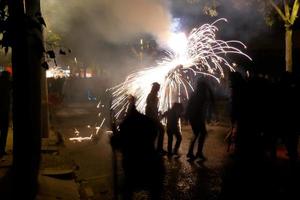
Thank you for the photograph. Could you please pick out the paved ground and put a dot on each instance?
(183, 180)
(217, 178)
(56, 178)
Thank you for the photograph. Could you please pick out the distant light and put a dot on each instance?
(57, 72)
(89, 75)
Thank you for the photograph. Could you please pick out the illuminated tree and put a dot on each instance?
(288, 12)
(286, 9)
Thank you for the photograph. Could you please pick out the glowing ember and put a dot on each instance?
(199, 53)
(95, 134)
(80, 139)
(76, 132)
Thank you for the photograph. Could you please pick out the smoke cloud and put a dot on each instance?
(115, 21)
(103, 31)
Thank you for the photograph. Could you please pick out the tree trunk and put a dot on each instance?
(288, 49)
(27, 51)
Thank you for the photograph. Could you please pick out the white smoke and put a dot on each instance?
(113, 20)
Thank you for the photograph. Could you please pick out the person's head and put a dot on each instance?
(131, 102)
(155, 87)
(131, 99)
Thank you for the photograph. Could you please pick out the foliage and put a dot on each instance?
(286, 10)
(4, 25)
(52, 40)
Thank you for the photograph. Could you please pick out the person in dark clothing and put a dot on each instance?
(288, 107)
(244, 108)
(142, 165)
(196, 113)
(173, 127)
(5, 87)
(153, 113)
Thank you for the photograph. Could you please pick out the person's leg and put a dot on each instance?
(178, 141)
(170, 141)
(193, 140)
(202, 137)
(127, 190)
(160, 140)
(3, 135)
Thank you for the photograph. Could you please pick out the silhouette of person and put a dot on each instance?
(5, 87)
(152, 112)
(142, 166)
(173, 127)
(196, 114)
(289, 123)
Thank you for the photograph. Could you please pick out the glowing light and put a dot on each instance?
(76, 132)
(93, 135)
(178, 43)
(57, 72)
(198, 53)
(80, 139)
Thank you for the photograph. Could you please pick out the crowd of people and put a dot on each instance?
(264, 114)
(141, 136)
(195, 113)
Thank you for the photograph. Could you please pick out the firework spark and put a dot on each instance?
(199, 53)
(95, 130)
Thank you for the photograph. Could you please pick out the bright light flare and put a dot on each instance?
(178, 43)
(57, 72)
(198, 53)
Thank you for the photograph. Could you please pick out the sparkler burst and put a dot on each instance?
(198, 53)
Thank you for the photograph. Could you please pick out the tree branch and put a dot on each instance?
(287, 9)
(278, 10)
(294, 11)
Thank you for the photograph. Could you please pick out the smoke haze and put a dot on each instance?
(102, 31)
(115, 21)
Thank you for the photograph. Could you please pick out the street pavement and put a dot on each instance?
(56, 177)
(183, 180)
(219, 177)
(99, 175)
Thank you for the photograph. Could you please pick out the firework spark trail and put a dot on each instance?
(204, 54)
(201, 54)
(97, 127)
